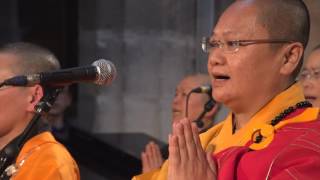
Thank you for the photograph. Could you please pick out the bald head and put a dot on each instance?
(198, 79)
(283, 19)
(317, 47)
(286, 19)
(196, 101)
(30, 59)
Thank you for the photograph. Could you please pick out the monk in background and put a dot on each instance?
(151, 157)
(310, 77)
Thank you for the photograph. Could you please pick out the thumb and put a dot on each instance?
(211, 162)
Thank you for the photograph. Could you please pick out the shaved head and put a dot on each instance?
(31, 58)
(317, 47)
(201, 79)
(284, 19)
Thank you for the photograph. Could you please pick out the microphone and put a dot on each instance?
(203, 89)
(101, 72)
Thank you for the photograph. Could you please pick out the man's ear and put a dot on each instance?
(36, 93)
(291, 58)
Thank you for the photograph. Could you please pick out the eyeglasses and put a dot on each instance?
(3, 86)
(234, 45)
(310, 74)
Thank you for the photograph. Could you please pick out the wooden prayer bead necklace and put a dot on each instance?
(284, 114)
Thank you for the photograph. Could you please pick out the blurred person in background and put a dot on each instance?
(56, 116)
(151, 157)
(310, 77)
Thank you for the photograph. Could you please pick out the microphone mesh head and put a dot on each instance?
(106, 72)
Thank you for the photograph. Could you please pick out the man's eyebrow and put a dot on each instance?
(226, 33)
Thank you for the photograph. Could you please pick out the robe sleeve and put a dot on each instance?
(299, 161)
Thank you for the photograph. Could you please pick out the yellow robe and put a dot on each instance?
(42, 157)
(220, 136)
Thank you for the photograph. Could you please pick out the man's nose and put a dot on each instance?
(177, 99)
(306, 84)
(216, 57)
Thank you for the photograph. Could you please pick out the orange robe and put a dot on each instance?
(42, 157)
(220, 137)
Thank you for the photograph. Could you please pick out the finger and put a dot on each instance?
(158, 154)
(155, 155)
(191, 147)
(149, 154)
(145, 164)
(174, 124)
(178, 129)
(152, 156)
(174, 154)
(196, 138)
(212, 163)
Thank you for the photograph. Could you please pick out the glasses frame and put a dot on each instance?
(4, 86)
(313, 74)
(206, 45)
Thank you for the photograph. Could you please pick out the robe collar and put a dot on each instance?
(226, 138)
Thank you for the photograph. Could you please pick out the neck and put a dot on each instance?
(243, 116)
(208, 122)
(13, 133)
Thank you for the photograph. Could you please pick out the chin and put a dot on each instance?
(175, 119)
(220, 97)
(315, 104)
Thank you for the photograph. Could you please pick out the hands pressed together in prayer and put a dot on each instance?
(187, 159)
(151, 157)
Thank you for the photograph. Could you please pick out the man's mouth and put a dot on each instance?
(221, 77)
(176, 111)
(311, 98)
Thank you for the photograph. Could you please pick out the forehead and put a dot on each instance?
(240, 19)
(8, 62)
(190, 83)
(313, 60)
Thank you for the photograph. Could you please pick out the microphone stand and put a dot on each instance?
(207, 107)
(187, 102)
(11, 151)
(44, 105)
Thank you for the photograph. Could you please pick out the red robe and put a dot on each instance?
(294, 153)
(290, 150)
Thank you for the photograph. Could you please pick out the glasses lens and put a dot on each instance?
(232, 46)
(303, 76)
(306, 75)
(316, 74)
(309, 75)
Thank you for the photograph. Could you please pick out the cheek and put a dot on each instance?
(316, 88)
(196, 105)
(209, 67)
(242, 72)
(11, 111)
(249, 70)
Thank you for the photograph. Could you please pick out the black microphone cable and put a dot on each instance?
(202, 89)
(207, 107)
